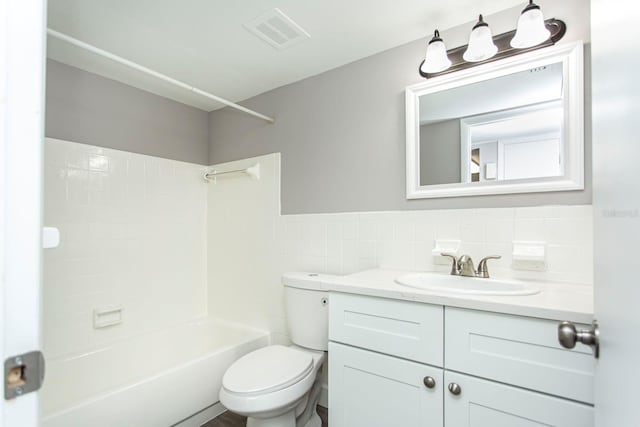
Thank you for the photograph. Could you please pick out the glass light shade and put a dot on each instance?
(436, 59)
(481, 46)
(531, 29)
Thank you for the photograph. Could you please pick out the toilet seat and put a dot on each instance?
(283, 393)
(267, 370)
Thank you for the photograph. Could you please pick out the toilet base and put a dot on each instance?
(287, 419)
(284, 420)
(314, 421)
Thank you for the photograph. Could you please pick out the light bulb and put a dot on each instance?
(435, 59)
(481, 46)
(531, 29)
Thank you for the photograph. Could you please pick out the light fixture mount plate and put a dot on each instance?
(556, 27)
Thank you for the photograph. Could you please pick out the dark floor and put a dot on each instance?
(229, 419)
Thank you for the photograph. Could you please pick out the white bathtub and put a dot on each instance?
(155, 380)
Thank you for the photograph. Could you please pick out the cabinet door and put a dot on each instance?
(369, 389)
(483, 403)
(516, 350)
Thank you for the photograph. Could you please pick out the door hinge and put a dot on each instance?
(23, 374)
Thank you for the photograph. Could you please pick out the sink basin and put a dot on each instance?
(439, 282)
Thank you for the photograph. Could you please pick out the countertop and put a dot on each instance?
(556, 301)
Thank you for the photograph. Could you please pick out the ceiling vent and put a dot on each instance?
(277, 29)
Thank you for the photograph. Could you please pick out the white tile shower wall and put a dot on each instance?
(133, 233)
(243, 271)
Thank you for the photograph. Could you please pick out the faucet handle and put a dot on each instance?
(483, 271)
(454, 264)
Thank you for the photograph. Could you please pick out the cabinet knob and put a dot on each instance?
(429, 382)
(455, 389)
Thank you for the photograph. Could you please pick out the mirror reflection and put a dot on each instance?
(502, 129)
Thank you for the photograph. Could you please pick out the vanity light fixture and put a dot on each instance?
(533, 32)
(435, 59)
(481, 46)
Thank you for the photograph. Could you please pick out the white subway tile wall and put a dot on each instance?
(133, 234)
(150, 235)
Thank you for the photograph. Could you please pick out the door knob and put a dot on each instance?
(455, 389)
(429, 382)
(569, 335)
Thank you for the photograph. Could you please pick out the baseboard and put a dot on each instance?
(202, 417)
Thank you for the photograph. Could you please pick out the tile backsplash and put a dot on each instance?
(132, 235)
(346, 243)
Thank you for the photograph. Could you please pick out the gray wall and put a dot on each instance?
(342, 133)
(87, 108)
(440, 153)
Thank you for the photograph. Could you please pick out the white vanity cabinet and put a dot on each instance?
(392, 362)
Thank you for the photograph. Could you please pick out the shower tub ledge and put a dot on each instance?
(154, 380)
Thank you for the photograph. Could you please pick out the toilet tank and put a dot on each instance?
(307, 308)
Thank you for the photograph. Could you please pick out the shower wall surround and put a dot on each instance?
(243, 247)
(133, 235)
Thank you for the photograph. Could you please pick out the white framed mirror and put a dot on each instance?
(511, 126)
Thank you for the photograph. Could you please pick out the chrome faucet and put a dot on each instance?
(463, 266)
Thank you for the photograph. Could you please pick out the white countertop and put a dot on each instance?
(556, 301)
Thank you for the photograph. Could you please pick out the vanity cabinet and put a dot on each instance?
(409, 364)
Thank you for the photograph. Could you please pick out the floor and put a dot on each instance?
(229, 419)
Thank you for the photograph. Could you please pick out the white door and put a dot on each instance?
(22, 25)
(616, 145)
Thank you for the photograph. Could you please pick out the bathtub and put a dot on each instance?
(154, 380)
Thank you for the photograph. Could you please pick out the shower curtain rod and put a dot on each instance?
(156, 74)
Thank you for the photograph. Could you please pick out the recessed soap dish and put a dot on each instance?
(529, 256)
(107, 316)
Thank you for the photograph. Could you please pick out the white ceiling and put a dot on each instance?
(204, 43)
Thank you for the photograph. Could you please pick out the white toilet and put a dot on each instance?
(278, 386)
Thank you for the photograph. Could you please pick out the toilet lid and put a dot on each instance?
(268, 369)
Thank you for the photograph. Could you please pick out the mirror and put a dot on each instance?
(513, 126)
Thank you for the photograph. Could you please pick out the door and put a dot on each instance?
(21, 133)
(615, 35)
(486, 403)
(370, 389)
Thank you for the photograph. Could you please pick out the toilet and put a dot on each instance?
(279, 386)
